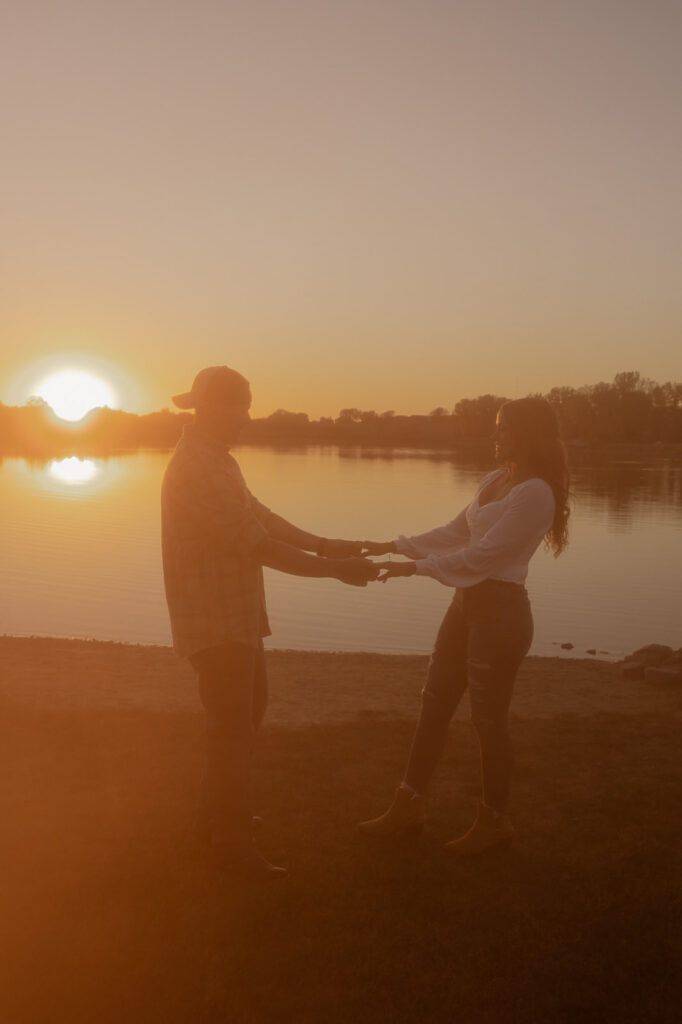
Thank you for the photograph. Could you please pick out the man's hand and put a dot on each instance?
(355, 571)
(391, 569)
(342, 548)
(373, 547)
(286, 558)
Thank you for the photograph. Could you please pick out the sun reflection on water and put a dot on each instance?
(73, 470)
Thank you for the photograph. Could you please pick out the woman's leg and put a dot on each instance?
(446, 681)
(497, 763)
(500, 634)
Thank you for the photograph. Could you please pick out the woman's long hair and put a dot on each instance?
(534, 434)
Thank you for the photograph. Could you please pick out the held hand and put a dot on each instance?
(356, 571)
(391, 569)
(373, 547)
(342, 548)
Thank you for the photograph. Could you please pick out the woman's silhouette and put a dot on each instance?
(487, 631)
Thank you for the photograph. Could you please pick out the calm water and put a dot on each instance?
(81, 553)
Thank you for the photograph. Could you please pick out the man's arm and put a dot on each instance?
(282, 530)
(290, 559)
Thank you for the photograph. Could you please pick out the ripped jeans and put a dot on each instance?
(484, 637)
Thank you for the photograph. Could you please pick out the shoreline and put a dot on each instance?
(476, 448)
(564, 651)
(307, 688)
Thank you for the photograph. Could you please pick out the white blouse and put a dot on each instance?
(493, 541)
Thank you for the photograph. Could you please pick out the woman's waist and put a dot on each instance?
(496, 583)
(492, 591)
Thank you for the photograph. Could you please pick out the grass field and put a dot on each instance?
(111, 912)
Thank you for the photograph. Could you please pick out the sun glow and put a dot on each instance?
(73, 393)
(73, 470)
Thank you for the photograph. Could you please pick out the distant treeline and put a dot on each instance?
(630, 409)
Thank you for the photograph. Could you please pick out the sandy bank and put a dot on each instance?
(306, 687)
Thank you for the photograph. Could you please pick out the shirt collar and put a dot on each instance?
(193, 436)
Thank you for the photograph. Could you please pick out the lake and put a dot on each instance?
(81, 552)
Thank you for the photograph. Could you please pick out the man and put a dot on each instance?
(216, 538)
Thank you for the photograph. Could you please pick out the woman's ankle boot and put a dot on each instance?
(490, 829)
(404, 817)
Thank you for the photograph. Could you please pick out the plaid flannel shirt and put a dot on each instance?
(210, 526)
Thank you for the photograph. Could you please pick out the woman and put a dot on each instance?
(488, 628)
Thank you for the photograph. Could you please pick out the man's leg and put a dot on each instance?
(260, 689)
(226, 687)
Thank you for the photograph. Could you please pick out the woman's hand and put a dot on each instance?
(391, 569)
(373, 547)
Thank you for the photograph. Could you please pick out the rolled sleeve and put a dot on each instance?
(263, 514)
(443, 540)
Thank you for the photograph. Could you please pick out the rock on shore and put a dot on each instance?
(657, 663)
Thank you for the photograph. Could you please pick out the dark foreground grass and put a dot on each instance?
(110, 911)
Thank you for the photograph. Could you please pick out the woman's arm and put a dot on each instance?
(442, 540)
(518, 532)
(448, 538)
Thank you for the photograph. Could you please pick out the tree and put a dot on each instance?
(627, 382)
(477, 415)
(350, 415)
(558, 395)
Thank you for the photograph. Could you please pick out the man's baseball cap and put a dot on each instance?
(215, 385)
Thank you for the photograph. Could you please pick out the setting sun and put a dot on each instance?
(73, 393)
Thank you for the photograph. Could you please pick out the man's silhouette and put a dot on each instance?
(216, 539)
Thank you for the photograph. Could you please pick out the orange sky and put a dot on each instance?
(375, 204)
